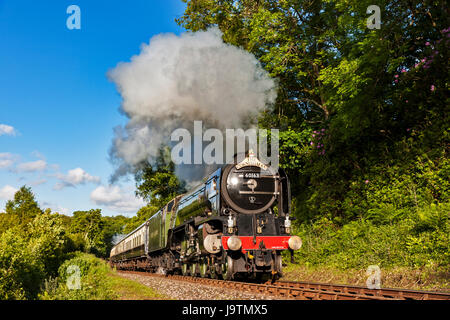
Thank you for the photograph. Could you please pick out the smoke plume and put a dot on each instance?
(178, 79)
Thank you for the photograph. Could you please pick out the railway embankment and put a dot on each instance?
(425, 278)
(86, 277)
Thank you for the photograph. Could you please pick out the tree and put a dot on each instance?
(158, 183)
(8, 221)
(142, 215)
(21, 274)
(112, 227)
(48, 240)
(28, 256)
(89, 225)
(352, 101)
(24, 206)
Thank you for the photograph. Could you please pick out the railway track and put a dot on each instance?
(310, 290)
(383, 293)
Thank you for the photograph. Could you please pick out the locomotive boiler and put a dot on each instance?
(234, 224)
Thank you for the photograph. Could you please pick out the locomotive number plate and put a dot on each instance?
(251, 175)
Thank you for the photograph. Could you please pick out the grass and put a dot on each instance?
(411, 250)
(397, 277)
(98, 281)
(127, 289)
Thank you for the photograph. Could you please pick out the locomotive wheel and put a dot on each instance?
(279, 265)
(194, 269)
(212, 272)
(203, 269)
(185, 269)
(227, 269)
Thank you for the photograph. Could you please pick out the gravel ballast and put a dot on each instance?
(181, 290)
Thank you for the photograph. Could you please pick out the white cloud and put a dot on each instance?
(38, 155)
(7, 130)
(5, 155)
(32, 166)
(7, 192)
(38, 182)
(75, 177)
(55, 208)
(7, 160)
(116, 199)
(5, 163)
(60, 210)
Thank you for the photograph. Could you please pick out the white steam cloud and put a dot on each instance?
(178, 79)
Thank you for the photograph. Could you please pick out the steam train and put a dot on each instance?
(234, 225)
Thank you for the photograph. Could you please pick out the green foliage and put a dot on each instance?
(48, 241)
(90, 232)
(8, 221)
(158, 184)
(34, 243)
(20, 272)
(113, 226)
(337, 75)
(27, 258)
(141, 216)
(363, 117)
(23, 207)
(421, 238)
(89, 225)
(94, 283)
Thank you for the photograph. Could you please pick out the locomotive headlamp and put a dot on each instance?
(287, 224)
(231, 224)
(295, 242)
(234, 243)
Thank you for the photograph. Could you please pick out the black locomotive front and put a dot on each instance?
(256, 203)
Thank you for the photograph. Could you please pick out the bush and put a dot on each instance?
(93, 281)
(21, 274)
(30, 254)
(48, 241)
(419, 239)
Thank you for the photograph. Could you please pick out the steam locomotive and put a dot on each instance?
(234, 225)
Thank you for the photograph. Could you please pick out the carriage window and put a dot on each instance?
(170, 205)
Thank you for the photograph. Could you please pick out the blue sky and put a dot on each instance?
(57, 106)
